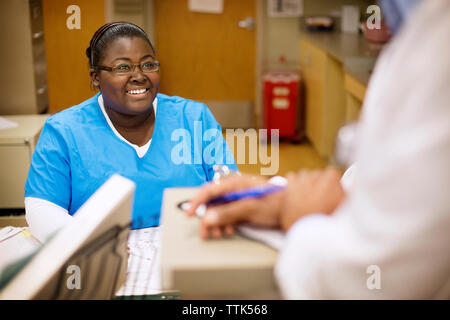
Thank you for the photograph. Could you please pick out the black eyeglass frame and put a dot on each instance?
(133, 67)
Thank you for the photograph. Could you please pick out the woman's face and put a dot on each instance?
(119, 90)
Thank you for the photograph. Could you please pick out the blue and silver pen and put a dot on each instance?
(254, 192)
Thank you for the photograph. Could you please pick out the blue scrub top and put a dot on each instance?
(78, 151)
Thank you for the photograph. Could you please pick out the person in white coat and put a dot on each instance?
(388, 236)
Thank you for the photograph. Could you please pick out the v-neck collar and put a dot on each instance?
(140, 150)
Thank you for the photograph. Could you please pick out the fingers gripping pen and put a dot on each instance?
(254, 192)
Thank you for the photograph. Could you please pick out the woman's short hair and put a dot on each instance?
(108, 33)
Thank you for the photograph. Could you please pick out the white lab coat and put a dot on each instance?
(390, 239)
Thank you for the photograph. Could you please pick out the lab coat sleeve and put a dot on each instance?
(390, 238)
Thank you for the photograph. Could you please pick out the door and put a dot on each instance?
(209, 57)
(68, 77)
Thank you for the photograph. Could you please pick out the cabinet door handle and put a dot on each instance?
(248, 23)
(37, 35)
(41, 90)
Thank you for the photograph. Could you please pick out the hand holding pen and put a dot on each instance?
(260, 207)
(308, 191)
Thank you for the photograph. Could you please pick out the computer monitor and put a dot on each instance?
(86, 259)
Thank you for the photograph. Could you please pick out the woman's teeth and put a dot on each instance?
(139, 91)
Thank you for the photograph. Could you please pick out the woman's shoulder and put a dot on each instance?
(189, 108)
(75, 115)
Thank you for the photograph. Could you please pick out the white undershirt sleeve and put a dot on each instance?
(44, 217)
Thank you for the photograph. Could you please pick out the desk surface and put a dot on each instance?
(28, 126)
(214, 269)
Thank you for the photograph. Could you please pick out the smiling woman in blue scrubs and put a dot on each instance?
(127, 128)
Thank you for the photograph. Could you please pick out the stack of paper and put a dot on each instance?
(7, 124)
(16, 243)
(144, 267)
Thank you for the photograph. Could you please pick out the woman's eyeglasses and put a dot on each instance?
(126, 68)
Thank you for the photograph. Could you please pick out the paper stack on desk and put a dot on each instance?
(144, 266)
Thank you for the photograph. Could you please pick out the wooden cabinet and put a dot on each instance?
(312, 61)
(354, 96)
(325, 98)
(16, 148)
(24, 90)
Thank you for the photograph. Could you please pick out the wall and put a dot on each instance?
(67, 64)
(281, 35)
(139, 12)
(280, 38)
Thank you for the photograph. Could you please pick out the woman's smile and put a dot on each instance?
(138, 93)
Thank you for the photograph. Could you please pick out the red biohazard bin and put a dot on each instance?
(282, 102)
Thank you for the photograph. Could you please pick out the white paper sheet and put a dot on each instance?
(271, 237)
(16, 243)
(144, 266)
(7, 124)
(206, 6)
